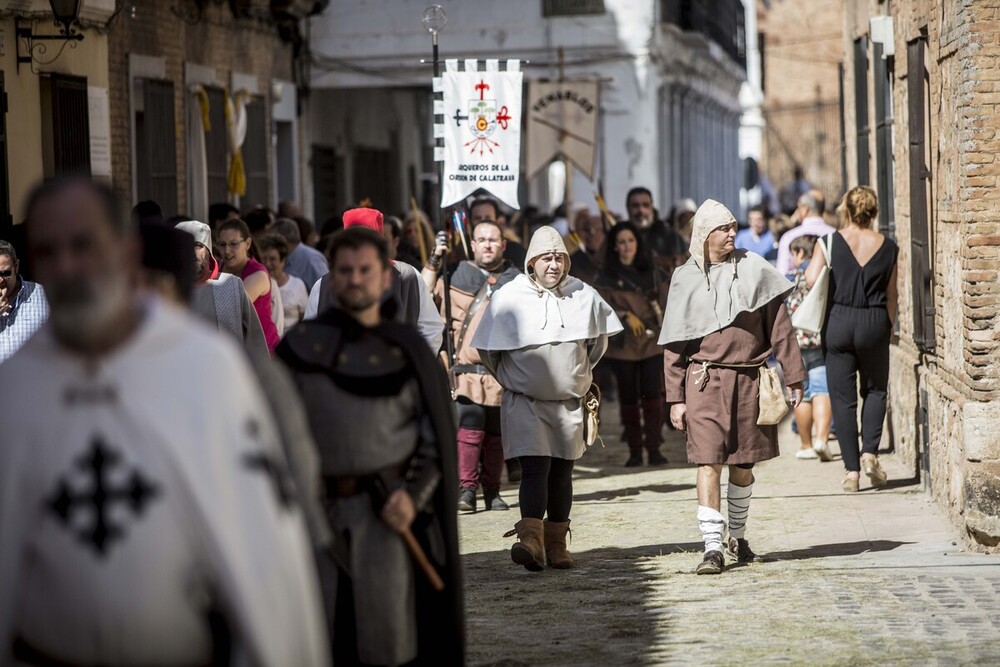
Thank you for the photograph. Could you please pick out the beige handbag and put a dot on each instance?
(772, 397)
(592, 415)
(811, 313)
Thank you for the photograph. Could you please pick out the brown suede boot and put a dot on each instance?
(528, 550)
(555, 545)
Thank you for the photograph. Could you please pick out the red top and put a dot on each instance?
(262, 304)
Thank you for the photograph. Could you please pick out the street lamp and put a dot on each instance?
(434, 19)
(65, 12)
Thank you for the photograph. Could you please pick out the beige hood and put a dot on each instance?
(710, 216)
(544, 241)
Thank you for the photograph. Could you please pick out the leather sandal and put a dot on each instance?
(876, 475)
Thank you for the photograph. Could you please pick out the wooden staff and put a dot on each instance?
(417, 553)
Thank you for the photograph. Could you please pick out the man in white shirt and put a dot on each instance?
(810, 212)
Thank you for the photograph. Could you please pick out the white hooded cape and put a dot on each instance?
(524, 313)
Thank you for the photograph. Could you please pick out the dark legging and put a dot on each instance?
(546, 484)
(857, 343)
(479, 417)
(638, 379)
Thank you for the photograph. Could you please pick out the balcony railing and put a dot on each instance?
(721, 21)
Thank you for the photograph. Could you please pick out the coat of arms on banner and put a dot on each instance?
(484, 117)
(482, 133)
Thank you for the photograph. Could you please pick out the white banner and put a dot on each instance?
(562, 121)
(482, 140)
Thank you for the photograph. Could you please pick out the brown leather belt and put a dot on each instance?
(336, 486)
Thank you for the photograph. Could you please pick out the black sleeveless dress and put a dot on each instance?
(856, 337)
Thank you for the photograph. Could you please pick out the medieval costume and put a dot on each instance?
(222, 300)
(392, 428)
(723, 321)
(541, 345)
(137, 517)
(167, 251)
(476, 392)
(637, 292)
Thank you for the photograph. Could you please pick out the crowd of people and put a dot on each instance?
(243, 395)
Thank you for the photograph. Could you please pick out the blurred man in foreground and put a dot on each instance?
(127, 477)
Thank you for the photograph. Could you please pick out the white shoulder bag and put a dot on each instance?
(811, 313)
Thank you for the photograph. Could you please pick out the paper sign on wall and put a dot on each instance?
(100, 131)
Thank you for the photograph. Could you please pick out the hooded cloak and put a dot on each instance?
(706, 297)
(524, 313)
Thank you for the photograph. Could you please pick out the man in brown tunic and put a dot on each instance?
(725, 318)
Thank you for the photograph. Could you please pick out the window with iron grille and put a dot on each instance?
(861, 108)
(216, 151)
(374, 177)
(255, 155)
(65, 125)
(722, 21)
(882, 71)
(156, 146)
(327, 169)
(922, 276)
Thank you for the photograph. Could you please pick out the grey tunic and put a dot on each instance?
(367, 434)
(224, 303)
(541, 411)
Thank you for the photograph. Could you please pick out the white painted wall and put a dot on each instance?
(380, 43)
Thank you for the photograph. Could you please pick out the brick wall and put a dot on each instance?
(216, 39)
(959, 378)
(802, 46)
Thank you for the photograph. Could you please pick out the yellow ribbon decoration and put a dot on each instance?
(206, 123)
(237, 182)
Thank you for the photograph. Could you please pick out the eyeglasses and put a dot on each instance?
(6, 273)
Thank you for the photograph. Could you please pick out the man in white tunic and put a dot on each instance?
(541, 336)
(145, 516)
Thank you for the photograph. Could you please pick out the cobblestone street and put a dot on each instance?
(873, 577)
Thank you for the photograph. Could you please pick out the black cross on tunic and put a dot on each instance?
(458, 118)
(100, 533)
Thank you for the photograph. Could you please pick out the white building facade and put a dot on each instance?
(670, 73)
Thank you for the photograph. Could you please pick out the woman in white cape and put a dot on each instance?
(541, 336)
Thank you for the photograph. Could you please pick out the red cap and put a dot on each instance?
(363, 217)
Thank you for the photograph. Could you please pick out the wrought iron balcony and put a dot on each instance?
(721, 21)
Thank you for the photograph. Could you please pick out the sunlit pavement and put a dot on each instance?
(841, 579)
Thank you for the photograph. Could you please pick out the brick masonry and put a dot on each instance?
(960, 376)
(802, 46)
(216, 39)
